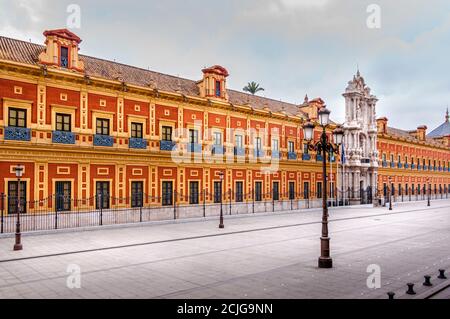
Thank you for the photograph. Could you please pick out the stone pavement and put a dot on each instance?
(272, 256)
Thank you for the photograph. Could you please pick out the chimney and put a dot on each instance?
(422, 132)
(382, 125)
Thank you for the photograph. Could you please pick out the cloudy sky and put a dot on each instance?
(291, 47)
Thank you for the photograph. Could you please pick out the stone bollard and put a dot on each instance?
(410, 289)
(391, 295)
(442, 274)
(427, 282)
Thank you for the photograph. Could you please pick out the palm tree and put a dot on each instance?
(253, 88)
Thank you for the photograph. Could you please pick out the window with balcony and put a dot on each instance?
(275, 148)
(239, 145)
(17, 125)
(63, 126)
(306, 156)
(291, 150)
(194, 145)
(217, 143)
(137, 134)
(258, 147)
(102, 137)
(167, 143)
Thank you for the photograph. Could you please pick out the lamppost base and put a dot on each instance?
(325, 262)
(221, 226)
(18, 247)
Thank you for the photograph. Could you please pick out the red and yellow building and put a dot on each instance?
(83, 126)
(413, 163)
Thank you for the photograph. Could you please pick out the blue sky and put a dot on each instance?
(291, 47)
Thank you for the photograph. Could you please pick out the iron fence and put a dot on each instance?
(61, 212)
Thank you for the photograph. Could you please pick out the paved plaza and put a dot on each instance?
(262, 256)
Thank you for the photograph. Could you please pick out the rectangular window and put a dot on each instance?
(193, 193)
(305, 149)
(102, 126)
(275, 145)
(193, 136)
(218, 89)
(319, 190)
(291, 190)
(217, 138)
(63, 122)
(167, 133)
(276, 191)
(12, 197)
(217, 192)
(102, 192)
(306, 190)
(137, 130)
(137, 194)
(63, 196)
(64, 57)
(384, 157)
(258, 144)
(17, 118)
(258, 191)
(239, 192)
(167, 193)
(239, 141)
(291, 147)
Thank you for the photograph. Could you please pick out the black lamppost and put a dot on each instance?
(221, 225)
(390, 193)
(18, 244)
(429, 192)
(324, 147)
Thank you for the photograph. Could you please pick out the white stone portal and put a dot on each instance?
(359, 175)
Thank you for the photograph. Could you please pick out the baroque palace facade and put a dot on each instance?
(83, 126)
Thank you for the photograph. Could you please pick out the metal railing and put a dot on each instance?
(60, 212)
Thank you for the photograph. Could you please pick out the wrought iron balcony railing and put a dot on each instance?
(194, 148)
(292, 155)
(166, 145)
(103, 140)
(61, 137)
(239, 151)
(17, 134)
(137, 143)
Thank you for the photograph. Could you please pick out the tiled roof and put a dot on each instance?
(28, 53)
(406, 135)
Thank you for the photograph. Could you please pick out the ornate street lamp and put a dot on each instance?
(325, 147)
(18, 244)
(429, 192)
(221, 225)
(390, 193)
